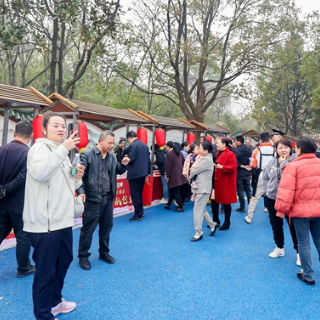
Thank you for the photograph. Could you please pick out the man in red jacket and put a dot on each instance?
(13, 160)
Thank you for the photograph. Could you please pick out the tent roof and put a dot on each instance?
(94, 112)
(21, 97)
(209, 127)
(167, 122)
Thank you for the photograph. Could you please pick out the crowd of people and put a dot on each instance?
(286, 177)
(37, 193)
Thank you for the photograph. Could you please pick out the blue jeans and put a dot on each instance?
(303, 227)
(165, 187)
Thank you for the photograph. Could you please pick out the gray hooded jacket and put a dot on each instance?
(271, 176)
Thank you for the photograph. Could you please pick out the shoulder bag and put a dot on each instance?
(78, 203)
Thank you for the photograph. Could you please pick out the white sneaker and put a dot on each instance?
(247, 219)
(298, 262)
(163, 200)
(277, 252)
(63, 307)
(265, 210)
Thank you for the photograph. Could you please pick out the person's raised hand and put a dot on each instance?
(72, 141)
(80, 170)
(125, 160)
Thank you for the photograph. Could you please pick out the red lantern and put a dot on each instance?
(37, 127)
(83, 134)
(142, 135)
(209, 138)
(293, 144)
(191, 137)
(160, 137)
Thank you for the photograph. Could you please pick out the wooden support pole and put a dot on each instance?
(5, 125)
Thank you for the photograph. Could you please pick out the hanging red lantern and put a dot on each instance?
(293, 144)
(83, 134)
(191, 137)
(142, 135)
(160, 137)
(209, 138)
(37, 127)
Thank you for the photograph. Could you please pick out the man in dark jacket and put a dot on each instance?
(119, 149)
(98, 190)
(13, 170)
(138, 169)
(161, 163)
(243, 153)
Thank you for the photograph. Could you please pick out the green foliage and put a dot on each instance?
(284, 95)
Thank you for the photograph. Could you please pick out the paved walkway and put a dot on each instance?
(160, 274)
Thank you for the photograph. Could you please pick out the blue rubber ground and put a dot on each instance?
(160, 274)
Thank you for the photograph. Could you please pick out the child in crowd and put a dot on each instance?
(192, 159)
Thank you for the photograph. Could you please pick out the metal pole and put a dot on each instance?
(5, 125)
(152, 150)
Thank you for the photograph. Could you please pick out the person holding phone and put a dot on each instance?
(270, 182)
(48, 214)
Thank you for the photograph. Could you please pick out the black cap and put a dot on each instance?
(275, 131)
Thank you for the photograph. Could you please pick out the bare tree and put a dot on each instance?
(202, 46)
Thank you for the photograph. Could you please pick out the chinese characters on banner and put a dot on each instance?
(123, 197)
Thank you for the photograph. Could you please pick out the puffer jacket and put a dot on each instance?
(298, 193)
(271, 176)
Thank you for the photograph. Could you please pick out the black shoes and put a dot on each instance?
(214, 229)
(243, 210)
(84, 263)
(224, 227)
(32, 270)
(167, 207)
(107, 258)
(194, 239)
(178, 210)
(136, 218)
(309, 282)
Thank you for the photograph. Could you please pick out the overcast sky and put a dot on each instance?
(308, 5)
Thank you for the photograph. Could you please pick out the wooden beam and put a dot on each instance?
(186, 122)
(40, 95)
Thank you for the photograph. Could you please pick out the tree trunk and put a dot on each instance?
(53, 62)
(60, 63)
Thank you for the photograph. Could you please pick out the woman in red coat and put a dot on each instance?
(225, 180)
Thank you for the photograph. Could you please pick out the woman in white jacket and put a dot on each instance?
(48, 215)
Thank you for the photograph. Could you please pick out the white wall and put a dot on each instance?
(171, 135)
(10, 131)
